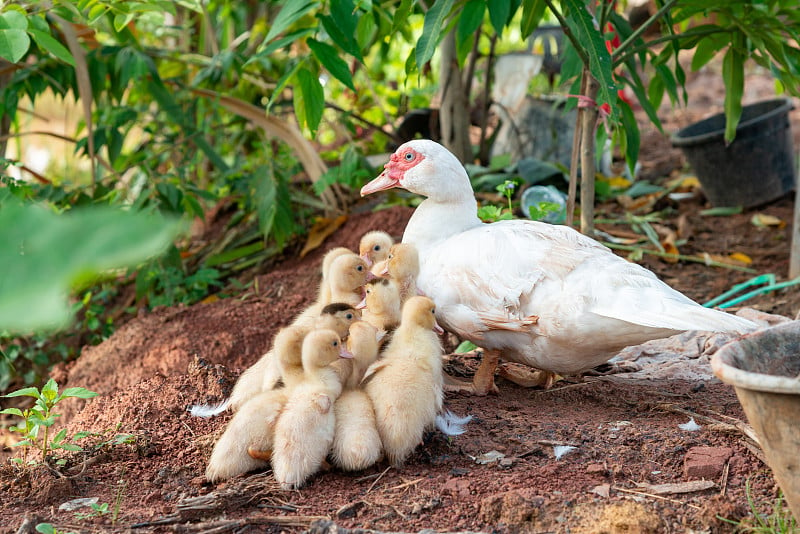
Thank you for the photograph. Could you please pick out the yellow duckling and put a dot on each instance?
(356, 442)
(381, 305)
(405, 385)
(304, 430)
(253, 425)
(402, 266)
(374, 248)
(265, 374)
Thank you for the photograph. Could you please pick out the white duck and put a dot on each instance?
(535, 293)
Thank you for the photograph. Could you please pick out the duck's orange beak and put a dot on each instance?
(381, 183)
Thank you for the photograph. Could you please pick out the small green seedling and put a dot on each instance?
(98, 509)
(37, 420)
(539, 211)
(507, 188)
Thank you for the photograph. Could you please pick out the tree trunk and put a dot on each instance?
(454, 111)
(588, 123)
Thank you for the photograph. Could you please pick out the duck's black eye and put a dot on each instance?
(348, 316)
(335, 343)
(409, 156)
(391, 256)
(360, 268)
(376, 248)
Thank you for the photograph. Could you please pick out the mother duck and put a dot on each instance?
(534, 293)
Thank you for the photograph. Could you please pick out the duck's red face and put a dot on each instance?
(392, 176)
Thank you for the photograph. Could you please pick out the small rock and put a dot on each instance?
(603, 490)
(595, 469)
(705, 462)
(489, 457)
(457, 487)
(459, 472)
(75, 504)
(507, 462)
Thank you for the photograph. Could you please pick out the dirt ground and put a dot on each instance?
(501, 475)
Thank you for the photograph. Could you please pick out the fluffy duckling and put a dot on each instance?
(402, 265)
(304, 430)
(265, 374)
(405, 386)
(381, 305)
(253, 425)
(374, 248)
(356, 442)
(348, 275)
(324, 293)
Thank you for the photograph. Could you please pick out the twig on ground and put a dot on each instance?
(378, 479)
(643, 494)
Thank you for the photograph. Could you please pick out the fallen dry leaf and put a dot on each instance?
(678, 487)
(762, 220)
(320, 232)
(741, 258)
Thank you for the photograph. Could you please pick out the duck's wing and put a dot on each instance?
(500, 276)
(487, 278)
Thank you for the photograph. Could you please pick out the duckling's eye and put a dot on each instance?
(360, 268)
(391, 256)
(348, 316)
(376, 248)
(409, 156)
(335, 343)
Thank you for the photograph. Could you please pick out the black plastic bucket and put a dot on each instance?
(756, 168)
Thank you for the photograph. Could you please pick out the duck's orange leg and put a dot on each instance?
(483, 382)
(528, 378)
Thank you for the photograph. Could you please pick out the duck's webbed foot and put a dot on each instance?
(528, 378)
(482, 383)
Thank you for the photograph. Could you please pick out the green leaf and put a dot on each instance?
(721, 211)
(341, 26)
(466, 346)
(470, 20)
(292, 11)
(499, 11)
(13, 411)
(46, 42)
(80, 393)
(432, 30)
(581, 24)
(401, 14)
(532, 13)
(311, 99)
(706, 49)
(733, 76)
(329, 57)
(43, 254)
(67, 447)
(14, 40)
(24, 392)
(630, 129)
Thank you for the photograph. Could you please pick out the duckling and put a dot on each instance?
(381, 305)
(356, 442)
(402, 265)
(374, 248)
(305, 428)
(405, 385)
(324, 293)
(266, 373)
(253, 425)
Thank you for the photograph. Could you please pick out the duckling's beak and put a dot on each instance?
(438, 329)
(367, 259)
(344, 352)
(385, 271)
(370, 276)
(363, 304)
